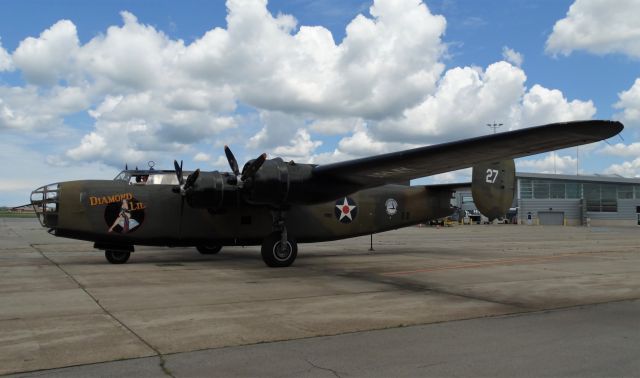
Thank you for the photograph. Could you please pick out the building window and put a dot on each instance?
(608, 199)
(526, 190)
(625, 192)
(601, 197)
(592, 197)
(574, 190)
(556, 190)
(540, 190)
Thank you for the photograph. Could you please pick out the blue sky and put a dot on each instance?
(259, 86)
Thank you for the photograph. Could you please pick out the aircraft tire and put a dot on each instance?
(209, 249)
(273, 257)
(117, 257)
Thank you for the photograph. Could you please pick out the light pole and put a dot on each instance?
(494, 126)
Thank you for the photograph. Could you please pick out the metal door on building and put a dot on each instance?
(551, 218)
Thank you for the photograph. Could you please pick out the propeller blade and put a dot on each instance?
(191, 179)
(233, 163)
(253, 167)
(178, 171)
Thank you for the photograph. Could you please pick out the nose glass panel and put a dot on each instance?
(45, 203)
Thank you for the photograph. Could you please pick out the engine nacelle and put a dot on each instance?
(212, 191)
(277, 183)
(493, 187)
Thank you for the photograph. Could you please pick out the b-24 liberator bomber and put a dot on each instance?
(278, 204)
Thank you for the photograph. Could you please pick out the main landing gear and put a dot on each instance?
(278, 249)
(276, 254)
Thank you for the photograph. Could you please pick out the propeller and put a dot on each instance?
(249, 169)
(252, 167)
(191, 179)
(184, 185)
(178, 171)
(233, 163)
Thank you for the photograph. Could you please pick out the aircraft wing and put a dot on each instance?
(445, 157)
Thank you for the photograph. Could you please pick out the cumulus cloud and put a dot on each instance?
(360, 144)
(541, 105)
(277, 130)
(629, 168)
(625, 169)
(629, 103)
(300, 147)
(385, 62)
(134, 77)
(459, 176)
(599, 27)
(6, 63)
(382, 88)
(468, 98)
(621, 149)
(550, 163)
(201, 156)
(336, 126)
(30, 108)
(512, 56)
(50, 57)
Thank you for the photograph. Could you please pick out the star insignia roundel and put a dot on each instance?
(346, 210)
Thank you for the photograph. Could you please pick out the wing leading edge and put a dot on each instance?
(445, 157)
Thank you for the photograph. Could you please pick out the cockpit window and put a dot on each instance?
(149, 178)
(138, 179)
(154, 179)
(122, 176)
(163, 179)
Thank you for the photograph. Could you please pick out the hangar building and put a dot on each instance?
(552, 199)
(577, 200)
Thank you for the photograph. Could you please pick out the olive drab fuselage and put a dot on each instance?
(117, 212)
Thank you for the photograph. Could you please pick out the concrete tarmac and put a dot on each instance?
(176, 312)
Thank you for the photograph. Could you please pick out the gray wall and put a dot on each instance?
(570, 207)
(626, 210)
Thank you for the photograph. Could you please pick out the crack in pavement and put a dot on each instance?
(159, 354)
(323, 368)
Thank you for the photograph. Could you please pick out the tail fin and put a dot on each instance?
(493, 187)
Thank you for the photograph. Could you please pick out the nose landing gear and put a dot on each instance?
(117, 257)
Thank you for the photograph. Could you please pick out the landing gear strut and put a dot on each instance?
(278, 249)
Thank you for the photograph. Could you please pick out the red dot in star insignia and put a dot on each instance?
(345, 209)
